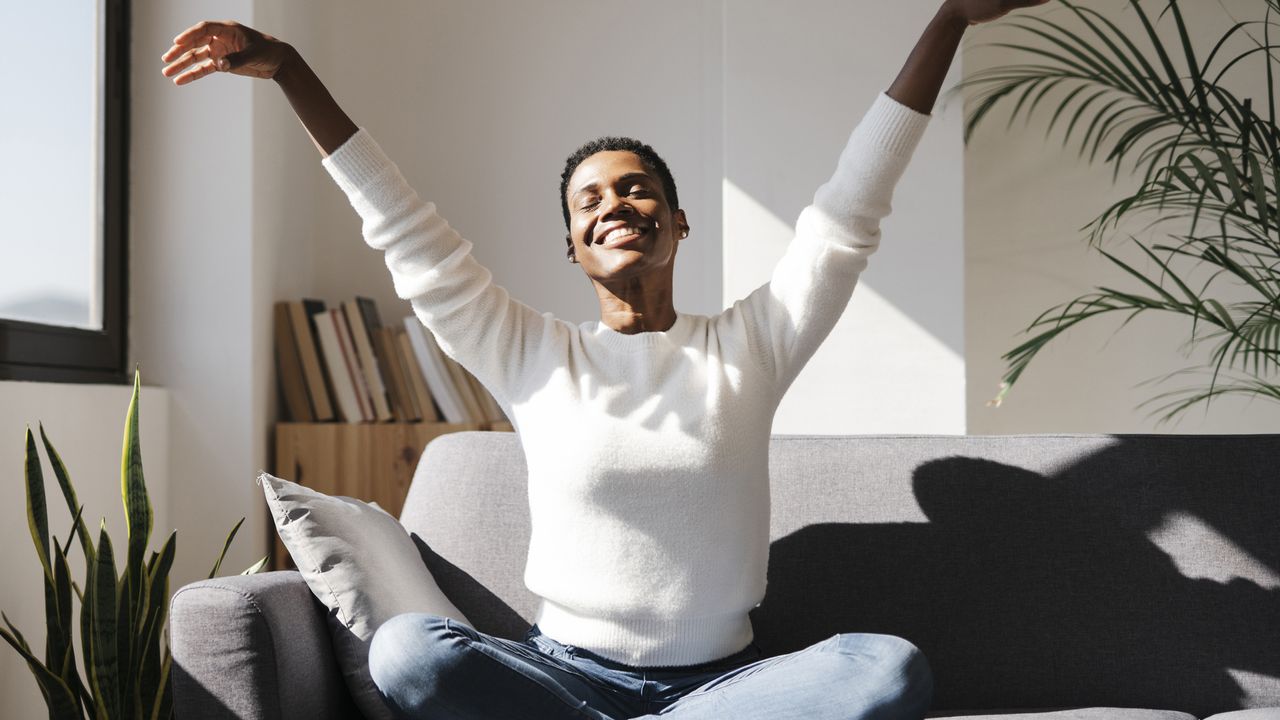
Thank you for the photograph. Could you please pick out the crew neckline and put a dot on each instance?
(648, 338)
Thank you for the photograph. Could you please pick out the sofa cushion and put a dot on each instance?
(1094, 713)
(1254, 714)
(1039, 571)
(362, 565)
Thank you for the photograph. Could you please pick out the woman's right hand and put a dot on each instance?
(211, 46)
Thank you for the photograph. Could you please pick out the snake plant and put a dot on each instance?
(1211, 168)
(122, 616)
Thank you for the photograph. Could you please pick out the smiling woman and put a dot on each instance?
(617, 194)
(650, 539)
(62, 236)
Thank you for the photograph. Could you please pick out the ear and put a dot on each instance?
(682, 223)
(568, 240)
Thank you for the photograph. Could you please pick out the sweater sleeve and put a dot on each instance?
(476, 322)
(788, 317)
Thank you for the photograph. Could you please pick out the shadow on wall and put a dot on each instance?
(1029, 590)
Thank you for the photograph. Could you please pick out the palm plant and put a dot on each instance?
(1211, 165)
(122, 616)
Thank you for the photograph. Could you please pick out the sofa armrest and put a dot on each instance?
(254, 647)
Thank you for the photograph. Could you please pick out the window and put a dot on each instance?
(64, 136)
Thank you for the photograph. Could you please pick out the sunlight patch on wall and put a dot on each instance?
(878, 372)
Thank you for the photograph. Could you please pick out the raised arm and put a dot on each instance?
(208, 47)
(787, 318)
(476, 322)
(920, 79)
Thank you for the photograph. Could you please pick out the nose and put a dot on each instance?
(611, 204)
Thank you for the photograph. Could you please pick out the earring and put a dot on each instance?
(684, 233)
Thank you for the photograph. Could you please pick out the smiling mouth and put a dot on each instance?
(623, 236)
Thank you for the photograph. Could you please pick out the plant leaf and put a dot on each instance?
(256, 567)
(37, 512)
(232, 536)
(69, 494)
(137, 505)
(104, 625)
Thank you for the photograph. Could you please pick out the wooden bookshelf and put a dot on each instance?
(369, 461)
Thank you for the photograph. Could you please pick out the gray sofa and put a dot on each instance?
(1093, 577)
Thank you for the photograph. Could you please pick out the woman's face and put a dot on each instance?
(619, 222)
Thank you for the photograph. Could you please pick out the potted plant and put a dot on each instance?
(1211, 169)
(122, 615)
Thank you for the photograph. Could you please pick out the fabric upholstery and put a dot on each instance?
(1254, 714)
(1094, 713)
(1033, 571)
(254, 647)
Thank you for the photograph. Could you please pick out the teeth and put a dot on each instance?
(621, 232)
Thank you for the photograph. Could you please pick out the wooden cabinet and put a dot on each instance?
(368, 461)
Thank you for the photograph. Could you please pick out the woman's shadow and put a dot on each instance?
(1030, 591)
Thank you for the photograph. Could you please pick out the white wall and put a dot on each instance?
(798, 77)
(479, 103)
(1025, 198)
(85, 424)
(197, 325)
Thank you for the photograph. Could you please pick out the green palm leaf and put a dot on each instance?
(1208, 160)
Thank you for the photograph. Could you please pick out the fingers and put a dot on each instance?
(195, 72)
(196, 50)
(201, 30)
(187, 59)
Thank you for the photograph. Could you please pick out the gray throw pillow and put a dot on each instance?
(361, 563)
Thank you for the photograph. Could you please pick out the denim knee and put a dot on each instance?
(409, 659)
(900, 667)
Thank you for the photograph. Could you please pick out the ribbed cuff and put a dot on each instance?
(356, 162)
(893, 126)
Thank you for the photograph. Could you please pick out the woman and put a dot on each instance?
(646, 434)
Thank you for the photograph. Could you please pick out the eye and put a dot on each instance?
(589, 203)
(639, 190)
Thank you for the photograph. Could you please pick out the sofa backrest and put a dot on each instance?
(1033, 571)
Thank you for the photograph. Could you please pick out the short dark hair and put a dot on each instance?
(647, 155)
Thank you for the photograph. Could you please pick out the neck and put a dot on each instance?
(654, 314)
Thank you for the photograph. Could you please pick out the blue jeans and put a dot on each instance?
(433, 668)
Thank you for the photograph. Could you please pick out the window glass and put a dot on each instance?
(51, 141)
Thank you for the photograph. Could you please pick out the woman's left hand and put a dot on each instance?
(981, 11)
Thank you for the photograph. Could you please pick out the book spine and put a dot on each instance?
(416, 378)
(290, 376)
(373, 377)
(353, 365)
(431, 360)
(302, 315)
(402, 373)
(399, 402)
(343, 391)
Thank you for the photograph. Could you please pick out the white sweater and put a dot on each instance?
(647, 453)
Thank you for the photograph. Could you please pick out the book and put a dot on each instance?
(369, 364)
(402, 371)
(472, 404)
(405, 407)
(301, 316)
(353, 364)
(431, 360)
(417, 380)
(289, 370)
(344, 392)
